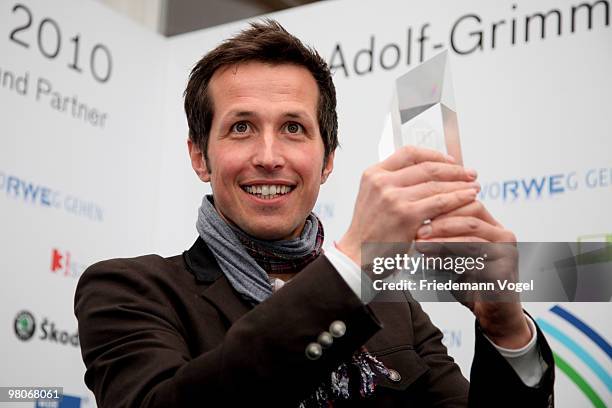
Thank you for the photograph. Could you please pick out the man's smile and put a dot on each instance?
(267, 191)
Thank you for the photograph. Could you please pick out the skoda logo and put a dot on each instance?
(24, 325)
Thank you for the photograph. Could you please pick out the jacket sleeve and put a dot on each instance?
(493, 379)
(134, 347)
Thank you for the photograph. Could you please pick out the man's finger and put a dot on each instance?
(459, 226)
(430, 171)
(433, 206)
(473, 209)
(424, 190)
(451, 246)
(410, 155)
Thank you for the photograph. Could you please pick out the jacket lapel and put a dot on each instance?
(216, 288)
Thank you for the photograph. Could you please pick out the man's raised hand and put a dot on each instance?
(397, 195)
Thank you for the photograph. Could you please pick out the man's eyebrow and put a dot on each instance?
(240, 114)
(297, 115)
(288, 114)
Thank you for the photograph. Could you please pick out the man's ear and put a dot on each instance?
(197, 161)
(329, 166)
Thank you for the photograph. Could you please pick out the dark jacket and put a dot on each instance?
(172, 332)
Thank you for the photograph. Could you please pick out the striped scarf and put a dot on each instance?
(285, 257)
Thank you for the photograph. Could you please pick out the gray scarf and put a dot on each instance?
(245, 275)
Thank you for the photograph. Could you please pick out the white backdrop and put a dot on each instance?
(102, 181)
(533, 113)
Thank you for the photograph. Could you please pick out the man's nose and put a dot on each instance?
(268, 153)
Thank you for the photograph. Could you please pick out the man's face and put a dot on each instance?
(265, 150)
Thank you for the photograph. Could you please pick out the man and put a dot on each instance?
(254, 314)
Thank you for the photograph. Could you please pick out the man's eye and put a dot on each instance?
(240, 127)
(294, 128)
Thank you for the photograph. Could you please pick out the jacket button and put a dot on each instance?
(337, 328)
(325, 339)
(394, 375)
(313, 351)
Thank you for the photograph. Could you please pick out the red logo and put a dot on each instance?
(62, 264)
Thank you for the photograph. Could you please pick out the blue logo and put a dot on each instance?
(579, 339)
(545, 186)
(41, 195)
(67, 401)
(452, 338)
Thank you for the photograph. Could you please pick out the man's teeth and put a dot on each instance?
(267, 191)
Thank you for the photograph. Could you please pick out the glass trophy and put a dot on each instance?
(423, 110)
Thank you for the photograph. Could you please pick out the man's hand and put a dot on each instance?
(397, 195)
(413, 185)
(503, 321)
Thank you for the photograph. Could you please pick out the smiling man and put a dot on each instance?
(254, 313)
(265, 158)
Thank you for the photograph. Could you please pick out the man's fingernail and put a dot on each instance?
(471, 173)
(476, 185)
(424, 231)
(450, 158)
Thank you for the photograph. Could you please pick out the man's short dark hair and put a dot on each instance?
(266, 41)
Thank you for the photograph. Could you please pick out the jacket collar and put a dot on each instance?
(201, 262)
